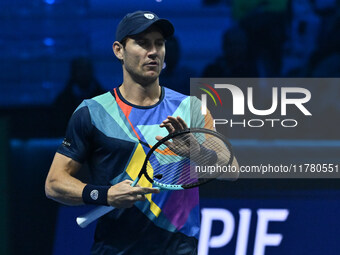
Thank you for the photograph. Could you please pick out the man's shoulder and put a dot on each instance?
(173, 94)
(102, 96)
(100, 101)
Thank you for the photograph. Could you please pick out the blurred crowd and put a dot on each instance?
(286, 38)
(299, 41)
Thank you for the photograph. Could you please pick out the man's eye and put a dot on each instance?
(141, 42)
(160, 43)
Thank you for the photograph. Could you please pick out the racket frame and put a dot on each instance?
(171, 136)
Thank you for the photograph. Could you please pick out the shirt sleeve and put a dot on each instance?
(199, 120)
(77, 141)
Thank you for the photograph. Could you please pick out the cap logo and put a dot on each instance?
(149, 15)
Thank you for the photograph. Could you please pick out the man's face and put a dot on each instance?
(143, 56)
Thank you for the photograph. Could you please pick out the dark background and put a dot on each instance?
(55, 46)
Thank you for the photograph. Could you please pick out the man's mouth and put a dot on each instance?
(152, 63)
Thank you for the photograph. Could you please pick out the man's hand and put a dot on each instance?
(182, 145)
(173, 124)
(123, 195)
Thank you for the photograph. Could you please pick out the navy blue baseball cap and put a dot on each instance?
(137, 22)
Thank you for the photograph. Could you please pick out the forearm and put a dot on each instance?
(61, 185)
(65, 189)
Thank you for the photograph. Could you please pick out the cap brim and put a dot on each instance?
(166, 27)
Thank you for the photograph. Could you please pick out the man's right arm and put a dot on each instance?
(63, 187)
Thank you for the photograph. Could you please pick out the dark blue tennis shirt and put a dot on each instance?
(105, 131)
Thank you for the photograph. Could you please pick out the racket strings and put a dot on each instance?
(187, 153)
(186, 174)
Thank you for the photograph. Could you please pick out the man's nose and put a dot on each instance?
(153, 51)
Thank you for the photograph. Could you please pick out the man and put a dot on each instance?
(105, 130)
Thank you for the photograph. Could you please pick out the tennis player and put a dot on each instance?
(105, 131)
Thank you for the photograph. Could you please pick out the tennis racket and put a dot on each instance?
(182, 160)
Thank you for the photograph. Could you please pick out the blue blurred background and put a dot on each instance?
(54, 53)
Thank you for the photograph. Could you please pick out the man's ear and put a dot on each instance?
(118, 48)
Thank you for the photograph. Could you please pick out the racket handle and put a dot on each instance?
(84, 220)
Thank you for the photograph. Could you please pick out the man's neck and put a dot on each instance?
(142, 95)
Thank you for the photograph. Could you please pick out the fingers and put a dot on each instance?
(145, 190)
(141, 192)
(169, 127)
(127, 182)
(182, 122)
(158, 138)
(140, 197)
(173, 124)
(123, 195)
